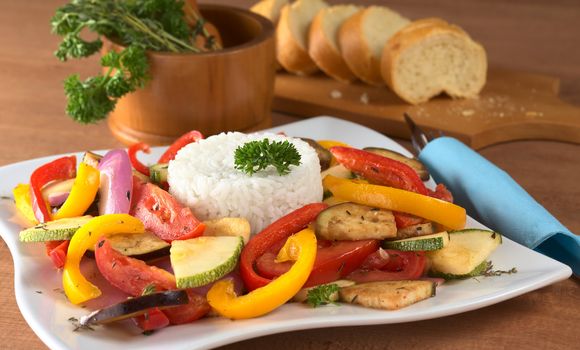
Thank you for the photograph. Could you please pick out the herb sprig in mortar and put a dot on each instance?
(139, 25)
(255, 156)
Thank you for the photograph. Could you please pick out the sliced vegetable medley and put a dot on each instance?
(380, 239)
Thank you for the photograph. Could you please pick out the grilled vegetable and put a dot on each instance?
(302, 295)
(135, 306)
(57, 192)
(324, 155)
(351, 221)
(143, 246)
(199, 261)
(388, 295)
(116, 183)
(415, 230)
(57, 230)
(338, 171)
(477, 271)
(412, 162)
(425, 243)
(158, 173)
(467, 249)
(228, 227)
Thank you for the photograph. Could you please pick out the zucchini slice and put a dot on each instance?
(302, 294)
(57, 230)
(388, 295)
(414, 163)
(428, 242)
(202, 260)
(467, 249)
(478, 271)
(350, 221)
(158, 173)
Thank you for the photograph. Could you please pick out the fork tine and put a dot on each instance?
(419, 138)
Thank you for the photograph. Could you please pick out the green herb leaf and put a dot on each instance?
(254, 156)
(322, 294)
(149, 289)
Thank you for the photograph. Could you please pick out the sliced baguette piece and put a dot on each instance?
(430, 57)
(362, 38)
(323, 41)
(292, 36)
(269, 8)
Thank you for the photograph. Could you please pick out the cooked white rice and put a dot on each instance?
(203, 177)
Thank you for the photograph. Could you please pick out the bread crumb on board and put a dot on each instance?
(364, 99)
(467, 112)
(336, 94)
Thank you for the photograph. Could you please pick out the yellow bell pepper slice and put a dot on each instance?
(328, 144)
(82, 194)
(442, 212)
(76, 287)
(265, 299)
(23, 204)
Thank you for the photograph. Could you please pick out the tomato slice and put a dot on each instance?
(162, 214)
(194, 310)
(405, 220)
(128, 274)
(153, 319)
(334, 260)
(399, 266)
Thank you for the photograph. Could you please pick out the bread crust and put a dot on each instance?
(356, 52)
(293, 57)
(328, 58)
(412, 35)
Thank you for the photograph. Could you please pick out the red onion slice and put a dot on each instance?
(116, 183)
(56, 199)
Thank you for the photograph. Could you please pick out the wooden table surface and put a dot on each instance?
(537, 36)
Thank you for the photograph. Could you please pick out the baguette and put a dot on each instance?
(269, 9)
(430, 57)
(362, 38)
(292, 36)
(323, 41)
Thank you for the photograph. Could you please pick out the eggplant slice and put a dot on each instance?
(135, 306)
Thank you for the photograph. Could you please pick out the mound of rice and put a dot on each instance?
(203, 177)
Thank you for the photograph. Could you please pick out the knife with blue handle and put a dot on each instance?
(494, 198)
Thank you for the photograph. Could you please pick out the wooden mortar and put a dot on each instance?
(225, 90)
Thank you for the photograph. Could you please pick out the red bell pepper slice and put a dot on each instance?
(379, 170)
(132, 151)
(60, 169)
(56, 251)
(274, 233)
(185, 139)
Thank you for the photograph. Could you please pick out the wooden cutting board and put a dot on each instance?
(512, 106)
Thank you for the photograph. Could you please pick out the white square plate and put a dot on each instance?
(41, 301)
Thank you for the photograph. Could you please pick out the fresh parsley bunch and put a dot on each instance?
(254, 156)
(139, 25)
